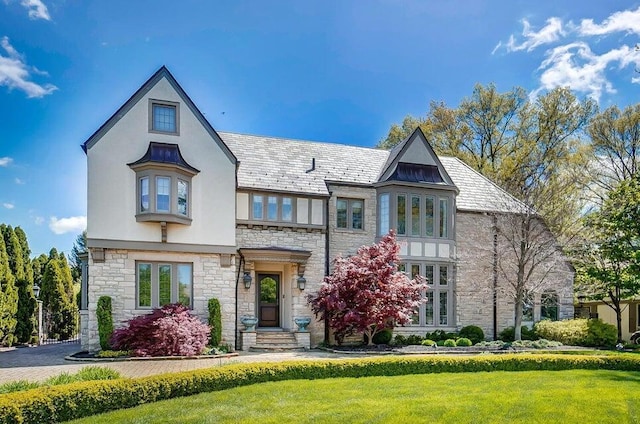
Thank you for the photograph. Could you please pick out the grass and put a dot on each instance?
(576, 396)
(85, 374)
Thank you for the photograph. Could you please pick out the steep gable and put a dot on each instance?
(414, 161)
(162, 73)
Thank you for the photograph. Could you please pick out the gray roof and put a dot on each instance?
(278, 164)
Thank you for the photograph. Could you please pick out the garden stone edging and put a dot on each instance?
(150, 358)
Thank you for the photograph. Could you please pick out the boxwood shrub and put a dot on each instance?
(76, 400)
(578, 332)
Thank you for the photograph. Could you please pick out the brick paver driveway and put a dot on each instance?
(42, 362)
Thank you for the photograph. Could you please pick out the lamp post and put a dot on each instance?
(36, 294)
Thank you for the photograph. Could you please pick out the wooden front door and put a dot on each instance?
(268, 300)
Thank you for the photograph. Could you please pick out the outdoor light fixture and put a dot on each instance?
(247, 280)
(301, 282)
(36, 290)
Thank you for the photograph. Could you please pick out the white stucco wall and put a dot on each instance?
(112, 184)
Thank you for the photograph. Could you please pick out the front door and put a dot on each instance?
(268, 300)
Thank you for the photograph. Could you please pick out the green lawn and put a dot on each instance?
(576, 396)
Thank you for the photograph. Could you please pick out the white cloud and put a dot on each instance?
(9, 205)
(36, 8)
(547, 34)
(15, 73)
(624, 21)
(66, 225)
(39, 220)
(5, 161)
(19, 181)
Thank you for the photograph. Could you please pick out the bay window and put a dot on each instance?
(415, 215)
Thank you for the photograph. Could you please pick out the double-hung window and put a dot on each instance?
(350, 214)
(161, 283)
(164, 117)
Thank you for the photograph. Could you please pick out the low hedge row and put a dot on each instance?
(76, 400)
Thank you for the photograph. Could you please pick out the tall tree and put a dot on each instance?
(615, 137)
(27, 327)
(79, 247)
(366, 293)
(610, 266)
(8, 296)
(58, 299)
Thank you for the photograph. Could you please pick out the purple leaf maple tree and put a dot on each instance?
(366, 293)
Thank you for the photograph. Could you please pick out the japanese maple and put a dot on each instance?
(167, 331)
(366, 293)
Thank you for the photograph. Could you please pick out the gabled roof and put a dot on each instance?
(398, 155)
(284, 165)
(163, 72)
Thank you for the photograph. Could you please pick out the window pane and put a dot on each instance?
(163, 197)
(402, 267)
(144, 285)
(415, 215)
(428, 216)
(144, 194)
(444, 217)
(257, 206)
(415, 270)
(527, 307)
(402, 215)
(444, 275)
(164, 118)
(549, 306)
(428, 273)
(429, 308)
(341, 213)
(287, 209)
(356, 214)
(272, 208)
(184, 284)
(183, 196)
(443, 308)
(164, 278)
(384, 214)
(415, 317)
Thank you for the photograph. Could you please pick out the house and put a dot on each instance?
(180, 212)
(630, 317)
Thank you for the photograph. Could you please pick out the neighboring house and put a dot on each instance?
(630, 314)
(180, 212)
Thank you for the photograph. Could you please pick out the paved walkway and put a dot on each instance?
(42, 362)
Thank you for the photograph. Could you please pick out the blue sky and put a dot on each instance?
(338, 71)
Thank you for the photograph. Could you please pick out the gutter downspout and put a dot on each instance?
(326, 264)
(235, 331)
(495, 277)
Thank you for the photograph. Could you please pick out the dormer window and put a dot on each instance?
(163, 184)
(164, 117)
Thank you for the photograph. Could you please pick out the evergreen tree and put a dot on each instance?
(37, 268)
(27, 327)
(8, 296)
(79, 248)
(58, 300)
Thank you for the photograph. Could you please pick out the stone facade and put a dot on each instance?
(346, 242)
(116, 277)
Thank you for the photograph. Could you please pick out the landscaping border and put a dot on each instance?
(77, 400)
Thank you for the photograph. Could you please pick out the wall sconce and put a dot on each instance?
(301, 282)
(247, 280)
(36, 291)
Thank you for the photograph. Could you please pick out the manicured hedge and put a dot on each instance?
(66, 402)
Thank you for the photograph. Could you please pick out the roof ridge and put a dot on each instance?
(299, 140)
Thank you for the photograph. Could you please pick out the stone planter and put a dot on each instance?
(302, 323)
(249, 323)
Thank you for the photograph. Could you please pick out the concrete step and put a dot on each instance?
(272, 341)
